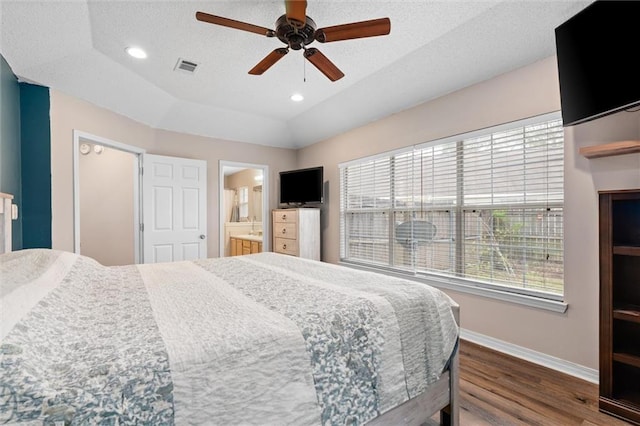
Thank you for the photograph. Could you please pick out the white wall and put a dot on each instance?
(529, 91)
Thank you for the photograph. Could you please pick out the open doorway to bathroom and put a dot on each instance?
(243, 208)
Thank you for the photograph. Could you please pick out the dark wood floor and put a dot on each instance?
(497, 389)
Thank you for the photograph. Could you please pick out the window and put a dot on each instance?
(243, 202)
(483, 208)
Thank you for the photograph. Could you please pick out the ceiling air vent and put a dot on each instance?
(188, 67)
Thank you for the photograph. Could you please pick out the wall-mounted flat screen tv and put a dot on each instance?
(302, 186)
(597, 53)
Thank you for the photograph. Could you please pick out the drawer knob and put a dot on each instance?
(284, 247)
(284, 230)
(284, 216)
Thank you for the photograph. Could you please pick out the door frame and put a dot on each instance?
(266, 217)
(79, 136)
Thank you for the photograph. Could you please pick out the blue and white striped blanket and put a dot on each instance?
(259, 339)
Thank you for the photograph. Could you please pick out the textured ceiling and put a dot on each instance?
(435, 47)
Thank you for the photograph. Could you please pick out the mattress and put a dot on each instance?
(258, 339)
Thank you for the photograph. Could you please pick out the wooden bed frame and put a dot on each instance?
(441, 396)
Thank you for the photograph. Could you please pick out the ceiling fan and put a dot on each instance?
(297, 31)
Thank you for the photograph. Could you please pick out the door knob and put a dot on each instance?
(202, 237)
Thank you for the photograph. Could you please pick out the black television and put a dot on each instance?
(302, 186)
(597, 50)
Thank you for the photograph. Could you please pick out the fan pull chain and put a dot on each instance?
(304, 70)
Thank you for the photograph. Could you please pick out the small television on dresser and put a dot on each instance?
(302, 186)
(597, 55)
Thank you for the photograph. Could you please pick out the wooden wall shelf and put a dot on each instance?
(610, 149)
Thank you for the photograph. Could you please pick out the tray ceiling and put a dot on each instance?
(435, 47)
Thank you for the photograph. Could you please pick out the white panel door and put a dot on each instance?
(174, 194)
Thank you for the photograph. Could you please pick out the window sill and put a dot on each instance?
(462, 287)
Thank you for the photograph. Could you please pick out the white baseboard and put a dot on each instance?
(576, 370)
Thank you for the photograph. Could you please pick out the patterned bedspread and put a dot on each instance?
(258, 339)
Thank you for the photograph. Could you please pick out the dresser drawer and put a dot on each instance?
(285, 216)
(285, 230)
(282, 245)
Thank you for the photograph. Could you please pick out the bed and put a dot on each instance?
(262, 339)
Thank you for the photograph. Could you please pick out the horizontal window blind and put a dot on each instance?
(485, 208)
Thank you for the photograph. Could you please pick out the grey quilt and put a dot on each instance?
(262, 339)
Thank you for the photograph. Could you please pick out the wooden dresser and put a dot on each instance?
(296, 232)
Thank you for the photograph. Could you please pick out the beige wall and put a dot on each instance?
(583, 178)
(106, 206)
(69, 113)
(532, 90)
(523, 93)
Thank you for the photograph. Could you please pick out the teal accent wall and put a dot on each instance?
(35, 135)
(25, 157)
(10, 146)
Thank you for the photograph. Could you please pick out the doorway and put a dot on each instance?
(244, 203)
(107, 199)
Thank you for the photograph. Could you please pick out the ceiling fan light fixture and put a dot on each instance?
(297, 97)
(136, 52)
(295, 36)
(296, 30)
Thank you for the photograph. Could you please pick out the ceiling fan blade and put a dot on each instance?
(231, 23)
(372, 28)
(323, 63)
(296, 10)
(268, 61)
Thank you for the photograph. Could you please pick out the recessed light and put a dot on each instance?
(297, 97)
(136, 52)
